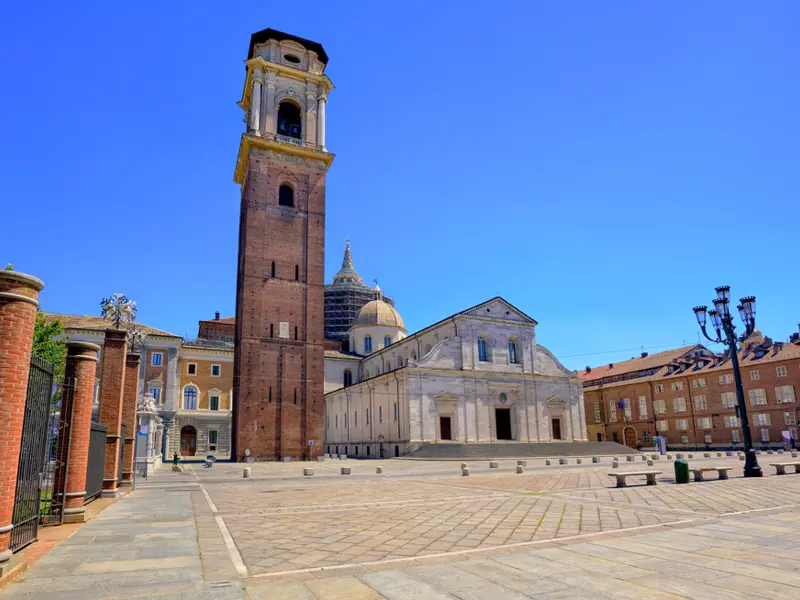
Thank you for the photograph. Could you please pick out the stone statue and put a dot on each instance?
(148, 404)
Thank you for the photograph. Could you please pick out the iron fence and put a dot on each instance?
(56, 466)
(95, 465)
(33, 453)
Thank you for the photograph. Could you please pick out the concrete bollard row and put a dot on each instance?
(346, 470)
(649, 462)
(308, 472)
(463, 465)
(629, 458)
(595, 459)
(579, 461)
(547, 463)
(615, 464)
(520, 468)
(522, 463)
(563, 461)
(246, 472)
(464, 472)
(493, 464)
(379, 470)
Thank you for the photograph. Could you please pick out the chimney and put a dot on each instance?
(610, 365)
(644, 355)
(216, 316)
(588, 369)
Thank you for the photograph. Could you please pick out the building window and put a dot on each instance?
(395, 411)
(190, 397)
(642, 407)
(156, 394)
(626, 406)
(216, 370)
(679, 404)
(597, 417)
(336, 423)
(346, 421)
(355, 418)
(272, 271)
(191, 369)
(736, 436)
(512, 352)
(157, 358)
(646, 437)
(729, 400)
(700, 403)
(731, 421)
(615, 436)
(755, 375)
(660, 407)
(684, 439)
(705, 423)
(289, 121)
(781, 371)
(677, 386)
(707, 438)
(368, 344)
(681, 424)
(297, 272)
(789, 418)
(380, 414)
(784, 394)
(662, 426)
(482, 355)
(285, 196)
(659, 388)
(765, 434)
(367, 415)
(213, 436)
(758, 397)
(213, 403)
(762, 419)
(348, 377)
(699, 383)
(612, 411)
(725, 379)
(387, 341)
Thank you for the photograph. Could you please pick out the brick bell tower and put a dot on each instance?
(278, 382)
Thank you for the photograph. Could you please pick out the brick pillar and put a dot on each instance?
(129, 403)
(19, 295)
(76, 415)
(112, 386)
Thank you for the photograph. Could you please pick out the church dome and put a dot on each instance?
(378, 312)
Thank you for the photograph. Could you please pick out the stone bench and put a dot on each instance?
(722, 471)
(308, 472)
(493, 464)
(621, 477)
(780, 468)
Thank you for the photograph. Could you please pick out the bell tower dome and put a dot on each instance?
(278, 408)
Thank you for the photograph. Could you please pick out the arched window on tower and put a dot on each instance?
(285, 196)
(387, 341)
(289, 122)
(482, 354)
(513, 354)
(190, 397)
(368, 344)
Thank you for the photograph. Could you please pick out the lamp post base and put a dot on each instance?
(751, 467)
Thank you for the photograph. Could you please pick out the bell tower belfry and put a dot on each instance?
(278, 407)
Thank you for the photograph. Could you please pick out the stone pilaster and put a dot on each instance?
(19, 295)
(129, 402)
(76, 417)
(112, 387)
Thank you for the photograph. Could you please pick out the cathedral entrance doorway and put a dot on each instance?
(188, 441)
(630, 437)
(503, 421)
(556, 429)
(444, 424)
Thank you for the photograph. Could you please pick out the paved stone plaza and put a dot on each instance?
(421, 530)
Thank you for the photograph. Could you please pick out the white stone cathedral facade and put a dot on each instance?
(478, 376)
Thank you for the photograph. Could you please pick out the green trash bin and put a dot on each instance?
(681, 471)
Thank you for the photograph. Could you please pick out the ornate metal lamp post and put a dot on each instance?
(722, 321)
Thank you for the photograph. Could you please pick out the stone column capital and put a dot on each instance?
(116, 335)
(20, 287)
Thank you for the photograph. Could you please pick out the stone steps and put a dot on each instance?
(456, 451)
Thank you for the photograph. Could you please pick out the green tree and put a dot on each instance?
(48, 343)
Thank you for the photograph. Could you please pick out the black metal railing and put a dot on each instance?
(120, 462)
(95, 465)
(56, 473)
(33, 454)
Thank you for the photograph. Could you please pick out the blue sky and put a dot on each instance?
(601, 165)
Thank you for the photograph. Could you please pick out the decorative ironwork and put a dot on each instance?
(118, 309)
(137, 338)
(56, 467)
(33, 452)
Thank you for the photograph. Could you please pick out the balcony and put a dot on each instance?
(289, 140)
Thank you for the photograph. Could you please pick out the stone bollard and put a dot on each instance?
(649, 462)
(345, 470)
(728, 453)
(579, 461)
(464, 472)
(644, 457)
(308, 472)
(595, 459)
(342, 456)
(656, 457)
(563, 461)
(246, 472)
(669, 456)
(379, 470)
(629, 458)
(719, 454)
(706, 455)
(522, 463)
(287, 459)
(463, 465)
(492, 464)
(780, 451)
(321, 459)
(679, 456)
(770, 452)
(547, 463)
(520, 468)
(794, 454)
(741, 457)
(690, 456)
(209, 464)
(615, 465)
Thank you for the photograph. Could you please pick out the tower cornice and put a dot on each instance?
(258, 63)
(300, 152)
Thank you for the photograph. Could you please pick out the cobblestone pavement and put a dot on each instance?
(421, 530)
